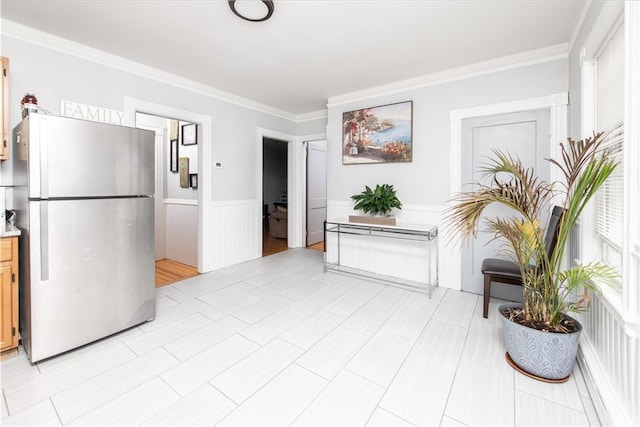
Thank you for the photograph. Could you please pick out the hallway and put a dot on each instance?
(168, 271)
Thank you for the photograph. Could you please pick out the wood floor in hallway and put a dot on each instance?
(317, 247)
(168, 271)
(272, 245)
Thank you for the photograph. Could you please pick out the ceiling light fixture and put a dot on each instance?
(269, 11)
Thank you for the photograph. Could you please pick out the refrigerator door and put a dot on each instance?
(92, 271)
(78, 158)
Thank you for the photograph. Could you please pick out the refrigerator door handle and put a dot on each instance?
(44, 240)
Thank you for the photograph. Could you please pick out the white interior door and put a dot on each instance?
(523, 134)
(316, 191)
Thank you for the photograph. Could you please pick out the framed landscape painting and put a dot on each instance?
(380, 134)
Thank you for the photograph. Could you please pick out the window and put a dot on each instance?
(609, 118)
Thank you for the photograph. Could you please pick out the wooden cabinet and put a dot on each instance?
(8, 293)
(6, 137)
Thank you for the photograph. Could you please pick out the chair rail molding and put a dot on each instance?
(190, 202)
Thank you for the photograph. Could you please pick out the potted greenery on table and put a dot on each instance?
(377, 203)
(541, 338)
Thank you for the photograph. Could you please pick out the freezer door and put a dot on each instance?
(79, 158)
(92, 271)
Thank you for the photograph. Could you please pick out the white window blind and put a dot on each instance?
(610, 120)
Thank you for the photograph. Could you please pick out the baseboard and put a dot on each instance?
(609, 410)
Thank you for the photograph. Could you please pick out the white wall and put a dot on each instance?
(54, 75)
(182, 232)
(425, 181)
(423, 185)
(315, 126)
(172, 179)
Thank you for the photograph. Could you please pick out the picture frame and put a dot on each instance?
(381, 134)
(193, 180)
(184, 172)
(173, 156)
(189, 134)
(173, 129)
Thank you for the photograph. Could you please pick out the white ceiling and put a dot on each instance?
(309, 50)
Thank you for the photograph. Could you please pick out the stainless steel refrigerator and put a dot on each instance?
(84, 202)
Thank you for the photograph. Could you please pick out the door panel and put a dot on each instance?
(6, 305)
(316, 191)
(524, 135)
(92, 270)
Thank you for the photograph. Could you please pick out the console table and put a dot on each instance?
(404, 254)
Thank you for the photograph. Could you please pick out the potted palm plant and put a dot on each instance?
(377, 203)
(541, 338)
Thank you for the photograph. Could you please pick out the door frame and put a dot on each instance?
(293, 198)
(133, 106)
(557, 104)
(296, 185)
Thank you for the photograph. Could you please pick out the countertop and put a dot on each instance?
(10, 231)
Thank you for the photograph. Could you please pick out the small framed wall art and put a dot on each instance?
(173, 156)
(173, 129)
(193, 180)
(189, 134)
(184, 172)
(381, 134)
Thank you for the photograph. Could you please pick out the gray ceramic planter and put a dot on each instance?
(542, 354)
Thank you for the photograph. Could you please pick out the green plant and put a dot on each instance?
(377, 202)
(548, 286)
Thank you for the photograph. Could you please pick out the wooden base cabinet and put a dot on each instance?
(9, 293)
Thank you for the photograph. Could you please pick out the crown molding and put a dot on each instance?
(39, 38)
(579, 24)
(313, 115)
(523, 59)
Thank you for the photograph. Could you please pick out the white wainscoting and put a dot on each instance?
(235, 236)
(403, 259)
(182, 231)
(609, 357)
(404, 266)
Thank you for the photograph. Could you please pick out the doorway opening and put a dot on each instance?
(176, 196)
(275, 207)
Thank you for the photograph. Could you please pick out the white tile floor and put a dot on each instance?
(276, 341)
